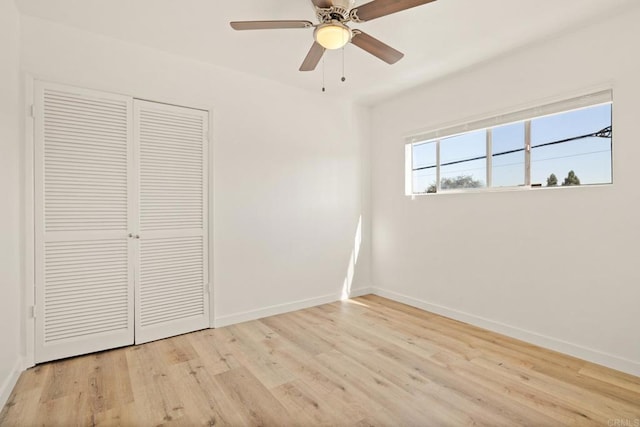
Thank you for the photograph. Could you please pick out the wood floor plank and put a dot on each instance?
(204, 400)
(287, 326)
(213, 348)
(155, 395)
(252, 399)
(256, 357)
(307, 407)
(619, 379)
(362, 362)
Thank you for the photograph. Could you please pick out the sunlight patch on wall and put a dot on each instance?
(353, 261)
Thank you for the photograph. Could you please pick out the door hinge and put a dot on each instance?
(32, 311)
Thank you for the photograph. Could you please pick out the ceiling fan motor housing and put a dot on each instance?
(339, 11)
(345, 4)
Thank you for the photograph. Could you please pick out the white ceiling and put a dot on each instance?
(437, 38)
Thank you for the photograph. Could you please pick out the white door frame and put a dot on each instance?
(28, 228)
(27, 302)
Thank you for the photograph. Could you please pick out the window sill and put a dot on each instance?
(505, 190)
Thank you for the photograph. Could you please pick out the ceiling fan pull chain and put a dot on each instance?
(343, 77)
(323, 88)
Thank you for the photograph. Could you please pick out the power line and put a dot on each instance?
(602, 133)
(520, 163)
(570, 155)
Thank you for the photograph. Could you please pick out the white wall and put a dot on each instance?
(554, 267)
(287, 166)
(10, 246)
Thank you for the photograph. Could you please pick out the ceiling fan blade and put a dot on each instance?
(323, 4)
(376, 48)
(313, 57)
(269, 25)
(378, 8)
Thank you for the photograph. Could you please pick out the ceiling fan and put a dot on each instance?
(332, 32)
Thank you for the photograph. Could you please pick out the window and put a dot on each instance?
(563, 144)
(424, 167)
(577, 141)
(507, 161)
(463, 161)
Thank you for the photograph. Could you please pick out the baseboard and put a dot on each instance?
(10, 382)
(584, 353)
(273, 310)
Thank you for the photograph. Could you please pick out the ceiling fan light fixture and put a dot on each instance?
(333, 35)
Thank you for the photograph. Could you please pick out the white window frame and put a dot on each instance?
(526, 116)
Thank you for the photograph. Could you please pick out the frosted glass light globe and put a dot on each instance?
(332, 36)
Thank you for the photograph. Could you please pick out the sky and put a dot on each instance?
(589, 158)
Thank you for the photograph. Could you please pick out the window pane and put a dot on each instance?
(458, 170)
(424, 168)
(508, 168)
(575, 162)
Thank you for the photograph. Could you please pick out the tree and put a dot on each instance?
(460, 181)
(571, 179)
(552, 181)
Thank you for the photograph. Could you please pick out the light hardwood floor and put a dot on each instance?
(368, 361)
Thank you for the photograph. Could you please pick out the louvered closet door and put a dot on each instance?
(84, 272)
(172, 295)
